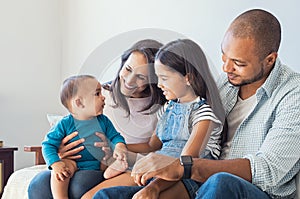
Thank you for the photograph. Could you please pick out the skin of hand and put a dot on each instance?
(156, 165)
(69, 151)
(61, 171)
(120, 152)
(148, 192)
(104, 146)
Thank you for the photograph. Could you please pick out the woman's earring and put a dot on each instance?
(188, 83)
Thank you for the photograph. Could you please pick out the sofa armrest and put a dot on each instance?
(38, 153)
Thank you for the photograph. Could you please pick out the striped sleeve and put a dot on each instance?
(203, 113)
(213, 146)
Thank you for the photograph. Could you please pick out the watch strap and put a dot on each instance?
(187, 163)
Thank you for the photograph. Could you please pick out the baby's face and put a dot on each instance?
(92, 98)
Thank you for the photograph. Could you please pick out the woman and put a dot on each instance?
(133, 97)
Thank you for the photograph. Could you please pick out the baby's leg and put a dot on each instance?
(59, 188)
(124, 179)
(116, 168)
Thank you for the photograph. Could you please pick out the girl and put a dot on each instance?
(187, 124)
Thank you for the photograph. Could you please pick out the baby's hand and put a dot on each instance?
(60, 170)
(120, 152)
(116, 168)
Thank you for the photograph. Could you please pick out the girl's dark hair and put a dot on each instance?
(187, 58)
(148, 48)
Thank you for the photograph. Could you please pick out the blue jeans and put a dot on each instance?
(121, 192)
(225, 185)
(81, 182)
(218, 186)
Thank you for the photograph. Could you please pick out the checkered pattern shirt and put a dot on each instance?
(270, 136)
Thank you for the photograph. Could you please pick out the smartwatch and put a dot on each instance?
(187, 162)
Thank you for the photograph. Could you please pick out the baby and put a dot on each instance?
(81, 95)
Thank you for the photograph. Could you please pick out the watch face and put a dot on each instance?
(186, 160)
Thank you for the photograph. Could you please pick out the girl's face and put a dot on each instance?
(173, 84)
(134, 75)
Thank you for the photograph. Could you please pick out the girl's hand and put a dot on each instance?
(68, 151)
(147, 192)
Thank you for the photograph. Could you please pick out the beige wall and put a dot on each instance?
(30, 71)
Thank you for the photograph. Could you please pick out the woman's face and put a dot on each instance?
(134, 75)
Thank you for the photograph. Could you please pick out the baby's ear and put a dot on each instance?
(77, 102)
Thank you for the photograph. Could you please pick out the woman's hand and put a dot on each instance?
(69, 151)
(104, 146)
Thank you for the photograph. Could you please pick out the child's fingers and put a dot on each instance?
(115, 156)
(66, 173)
(60, 177)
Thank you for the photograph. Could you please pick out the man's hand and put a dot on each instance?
(69, 151)
(156, 165)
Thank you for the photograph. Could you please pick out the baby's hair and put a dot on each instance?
(187, 58)
(70, 88)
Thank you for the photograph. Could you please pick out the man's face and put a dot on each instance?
(241, 61)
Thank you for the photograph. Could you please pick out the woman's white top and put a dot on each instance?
(135, 128)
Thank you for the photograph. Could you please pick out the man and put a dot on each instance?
(260, 157)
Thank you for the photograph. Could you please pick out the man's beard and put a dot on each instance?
(259, 76)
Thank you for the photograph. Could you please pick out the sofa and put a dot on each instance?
(18, 182)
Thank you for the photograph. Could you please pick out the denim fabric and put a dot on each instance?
(81, 182)
(173, 127)
(191, 186)
(127, 192)
(225, 185)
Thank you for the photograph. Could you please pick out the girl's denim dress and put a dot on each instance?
(173, 129)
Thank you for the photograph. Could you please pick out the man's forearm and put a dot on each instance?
(203, 168)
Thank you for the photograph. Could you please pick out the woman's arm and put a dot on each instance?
(153, 145)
